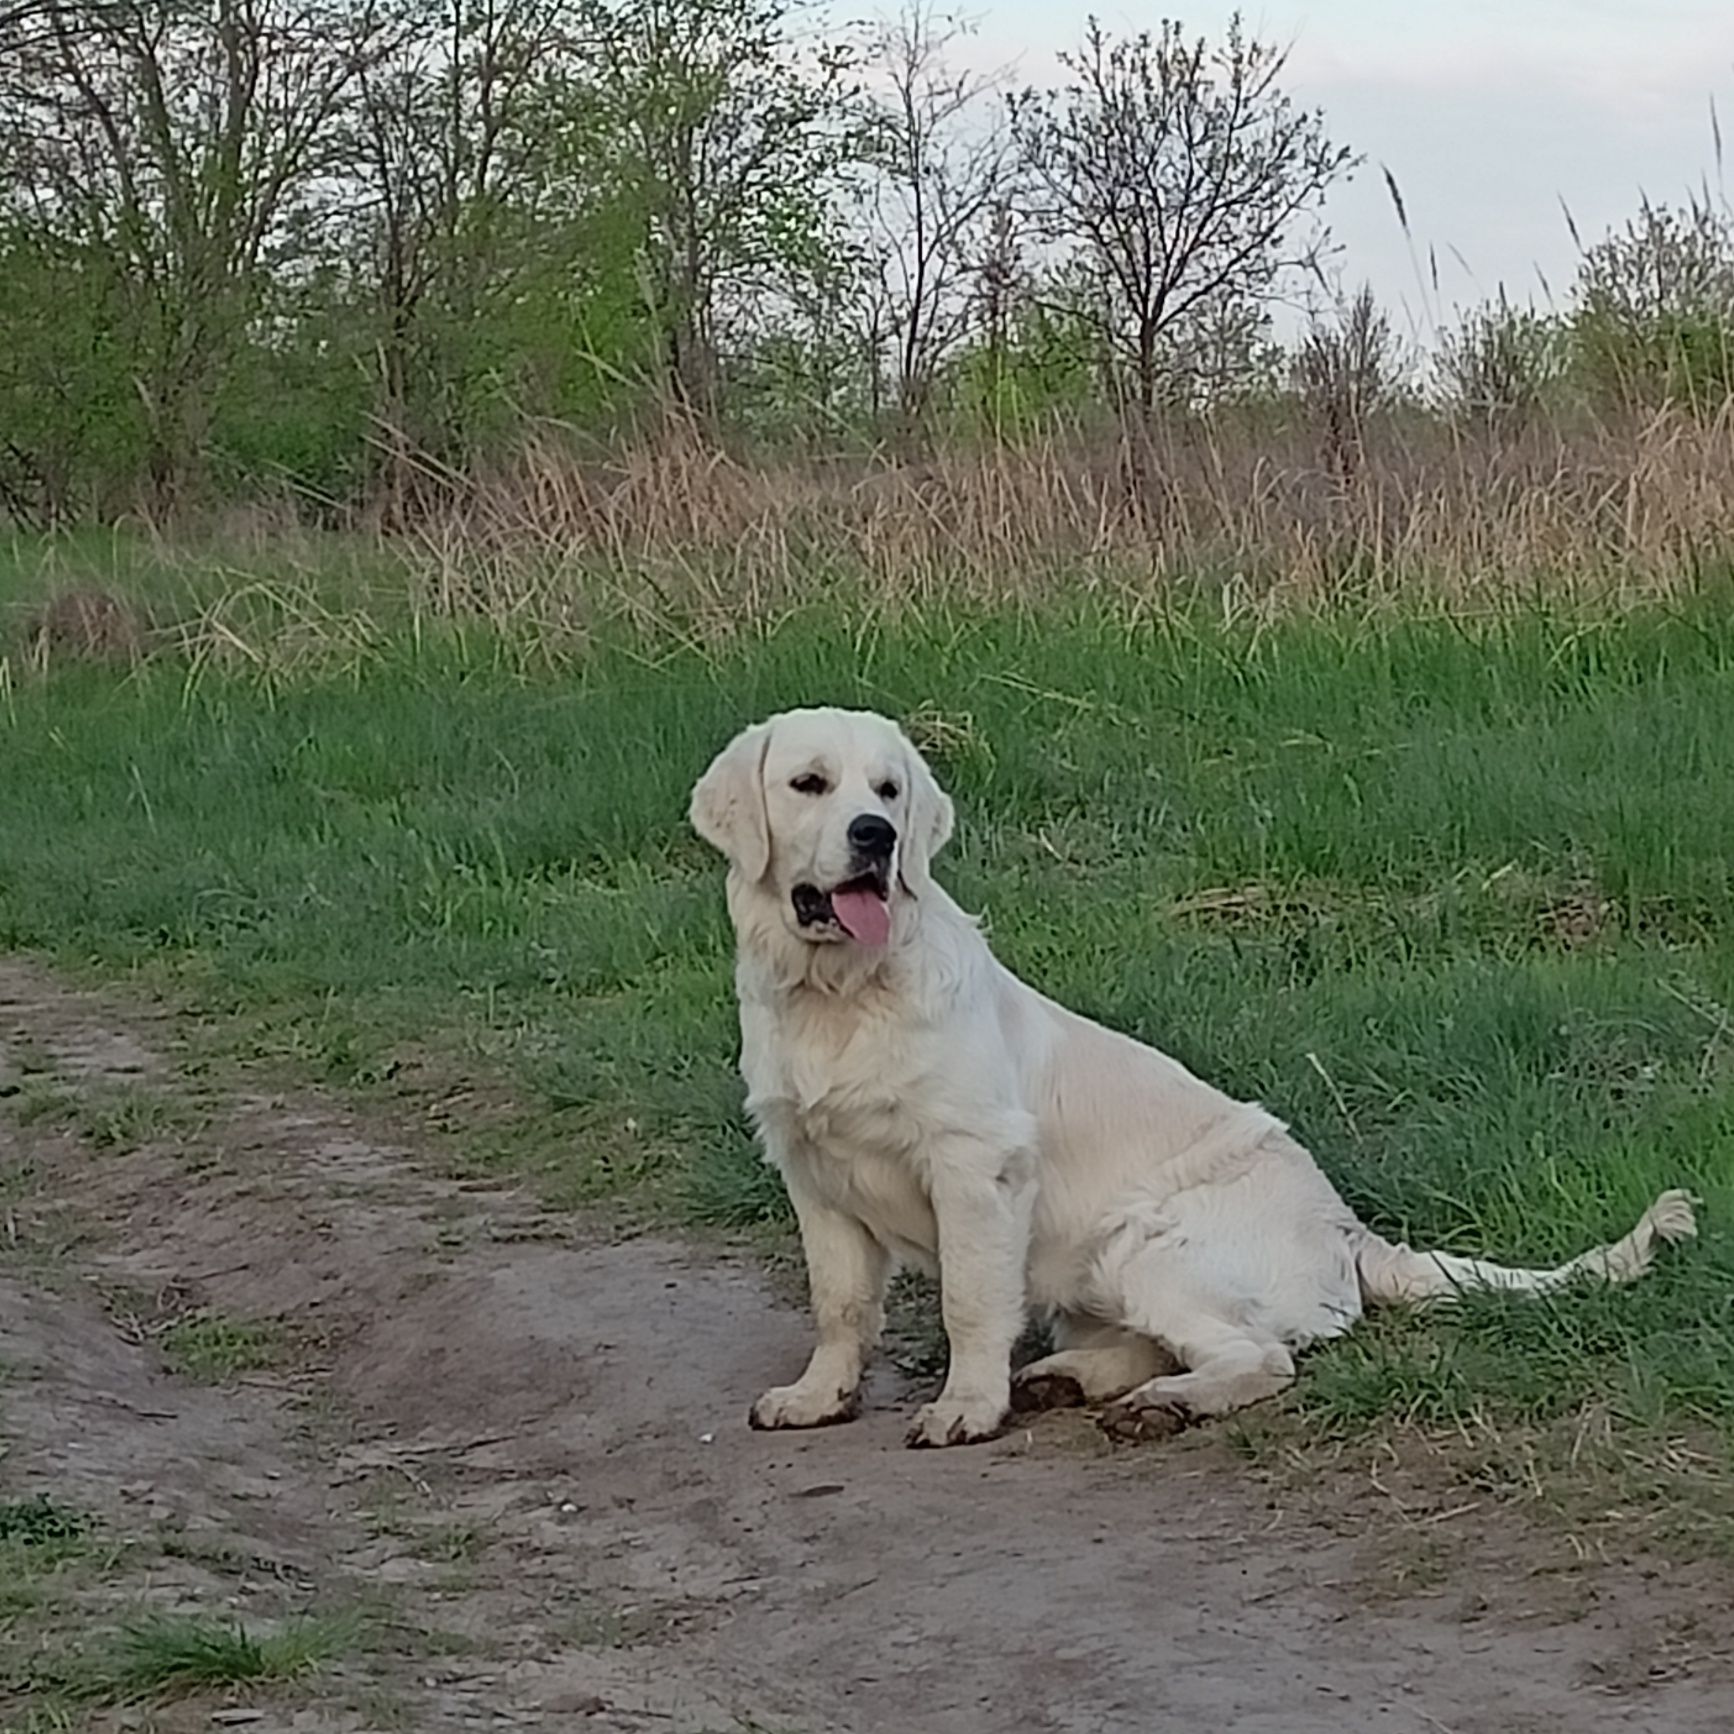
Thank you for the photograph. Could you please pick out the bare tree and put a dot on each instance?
(1181, 184)
(1346, 369)
(939, 161)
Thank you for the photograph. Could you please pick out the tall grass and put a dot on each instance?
(1630, 503)
(1257, 507)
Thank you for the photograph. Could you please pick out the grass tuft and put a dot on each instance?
(159, 1655)
(209, 1347)
(126, 1118)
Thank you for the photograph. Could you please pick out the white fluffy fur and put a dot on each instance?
(923, 1104)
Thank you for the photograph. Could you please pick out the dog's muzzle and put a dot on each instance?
(857, 907)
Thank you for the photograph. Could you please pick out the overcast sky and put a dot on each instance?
(1489, 113)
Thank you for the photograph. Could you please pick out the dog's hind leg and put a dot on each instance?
(1157, 1280)
(1227, 1368)
(1092, 1363)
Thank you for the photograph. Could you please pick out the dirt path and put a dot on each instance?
(523, 1450)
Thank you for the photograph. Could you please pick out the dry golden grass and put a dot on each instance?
(1415, 508)
(1265, 512)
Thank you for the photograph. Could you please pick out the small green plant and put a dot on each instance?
(458, 1544)
(125, 1118)
(209, 1347)
(39, 1539)
(41, 1102)
(40, 1522)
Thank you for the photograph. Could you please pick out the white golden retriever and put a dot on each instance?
(923, 1104)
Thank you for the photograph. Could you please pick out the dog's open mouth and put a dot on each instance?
(859, 906)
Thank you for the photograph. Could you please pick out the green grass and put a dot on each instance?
(162, 1654)
(49, 1554)
(212, 1348)
(39, 1540)
(158, 1656)
(52, 1560)
(124, 1117)
(1456, 897)
(117, 1117)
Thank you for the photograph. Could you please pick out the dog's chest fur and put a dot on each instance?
(840, 1087)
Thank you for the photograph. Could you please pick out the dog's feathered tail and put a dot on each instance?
(1391, 1273)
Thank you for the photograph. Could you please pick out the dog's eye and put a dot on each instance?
(811, 783)
(888, 791)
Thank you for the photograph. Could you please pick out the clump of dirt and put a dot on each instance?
(520, 1445)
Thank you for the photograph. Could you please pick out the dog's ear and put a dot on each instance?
(728, 804)
(928, 827)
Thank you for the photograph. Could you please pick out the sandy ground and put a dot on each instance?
(519, 1445)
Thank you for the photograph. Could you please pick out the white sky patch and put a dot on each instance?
(1491, 114)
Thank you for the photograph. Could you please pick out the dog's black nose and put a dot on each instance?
(872, 834)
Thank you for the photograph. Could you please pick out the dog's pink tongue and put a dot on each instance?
(863, 915)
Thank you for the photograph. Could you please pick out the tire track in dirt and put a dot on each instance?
(529, 1441)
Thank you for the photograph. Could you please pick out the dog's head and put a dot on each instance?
(831, 813)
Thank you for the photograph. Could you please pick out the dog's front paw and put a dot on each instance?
(957, 1421)
(803, 1405)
